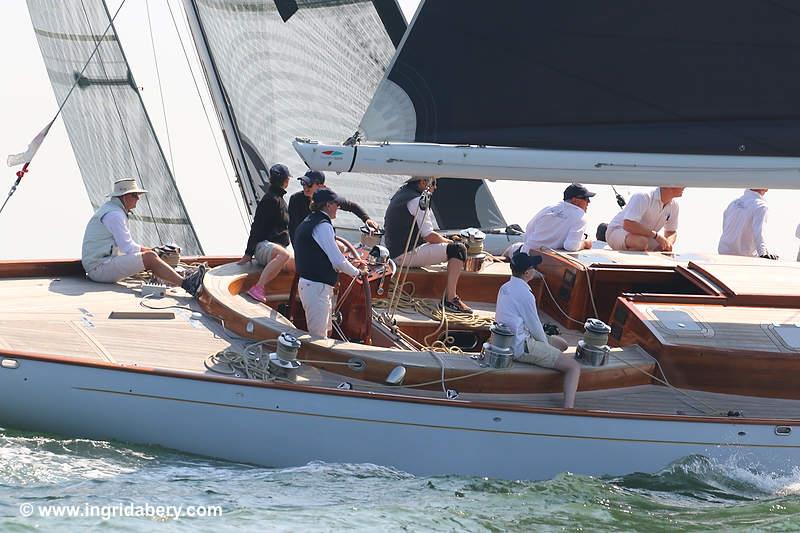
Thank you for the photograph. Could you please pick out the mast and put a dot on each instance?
(233, 141)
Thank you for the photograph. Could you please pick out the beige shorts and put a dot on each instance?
(424, 255)
(116, 268)
(264, 250)
(616, 239)
(317, 300)
(539, 353)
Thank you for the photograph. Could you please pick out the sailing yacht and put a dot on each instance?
(700, 350)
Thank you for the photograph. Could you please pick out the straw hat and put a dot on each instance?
(125, 186)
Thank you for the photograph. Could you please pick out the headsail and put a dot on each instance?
(107, 124)
(656, 81)
(299, 66)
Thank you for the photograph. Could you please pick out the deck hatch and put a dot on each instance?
(676, 320)
(789, 334)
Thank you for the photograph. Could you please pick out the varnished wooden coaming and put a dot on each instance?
(735, 353)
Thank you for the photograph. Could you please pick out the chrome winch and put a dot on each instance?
(499, 351)
(593, 348)
(370, 237)
(473, 239)
(284, 359)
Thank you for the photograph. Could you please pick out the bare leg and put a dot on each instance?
(454, 268)
(636, 243)
(557, 342)
(160, 269)
(279, 259)
(572, 373)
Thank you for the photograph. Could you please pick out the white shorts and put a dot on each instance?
(539, 353)
(264, 251)
(424, 255)
(616, 239)
(116, 268)
(317, 300)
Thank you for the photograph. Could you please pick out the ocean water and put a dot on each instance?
(120, 487)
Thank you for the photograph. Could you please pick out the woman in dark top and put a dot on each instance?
(269, 233)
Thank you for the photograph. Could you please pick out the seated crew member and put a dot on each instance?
(561, 226)
(300, 201)
(743, 226)
(637, 226)
(109, 252)
(516, 308)
(318, 259)
(408, 224)
(269, 233)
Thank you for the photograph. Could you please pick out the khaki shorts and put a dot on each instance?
(616, 239)
(116, 268)
(264, 250)
(539, 353)
(424, 255)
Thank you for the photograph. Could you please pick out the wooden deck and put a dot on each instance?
(69, 316)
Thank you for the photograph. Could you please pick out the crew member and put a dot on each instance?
(743, 226)
(269, 233)
(318, 259)
(413, 243)
(300, 201)
(561, 226)
(109, 252)
(638, 226)
(516, 308)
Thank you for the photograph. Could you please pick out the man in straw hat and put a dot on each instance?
(109, 252)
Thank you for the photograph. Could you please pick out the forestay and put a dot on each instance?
(109, 129)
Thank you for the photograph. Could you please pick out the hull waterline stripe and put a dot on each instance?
(432, 426)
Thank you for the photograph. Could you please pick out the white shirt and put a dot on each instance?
(117, 223)
(743, 226)
(424, 222)
(324, 236)
(559, 226)
(646, 209)
(516, 308)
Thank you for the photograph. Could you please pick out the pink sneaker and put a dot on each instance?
(256, 292)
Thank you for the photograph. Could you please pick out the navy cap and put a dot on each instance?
(323, 196)
(576, 190)
(279, 173)
(311, 177)
(521, 261)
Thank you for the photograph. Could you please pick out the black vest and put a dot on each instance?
(310, 259)
(398, 221)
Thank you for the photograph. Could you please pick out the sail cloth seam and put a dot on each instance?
(236, 196)
(122, 122)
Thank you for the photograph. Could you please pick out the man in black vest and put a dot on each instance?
(300, 202)
(413, 243)
(269, 233)
(318, 259)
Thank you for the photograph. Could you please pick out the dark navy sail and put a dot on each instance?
(716, 77)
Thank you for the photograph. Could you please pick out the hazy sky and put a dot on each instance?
(46, 217)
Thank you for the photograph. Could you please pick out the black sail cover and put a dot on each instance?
(108, 127)
(305, 67)
(717, 77)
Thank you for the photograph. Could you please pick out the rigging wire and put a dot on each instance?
(24, 169)
(237, 197)
(160, 86)
(102, 65)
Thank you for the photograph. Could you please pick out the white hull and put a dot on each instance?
(282, 426)
(481, 162)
